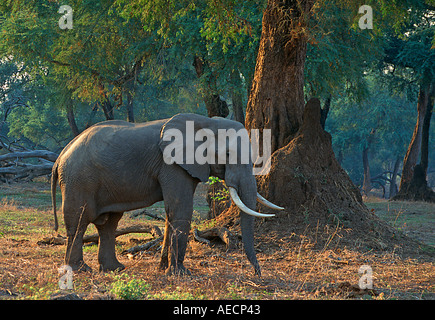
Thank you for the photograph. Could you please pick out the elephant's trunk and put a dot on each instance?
(244, 195)
(247, 226)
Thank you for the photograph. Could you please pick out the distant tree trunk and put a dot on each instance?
(236, 97)
(325, 111)
(130, 88)
(367, 186)
(411, 157)
(129, 93)
(216, 107)
(71, 118)
(92, 115)
(276, 100)
(413, 184)
(393, 184)
(106, 105)
(107, 108)
(414, 148)
(425, 131)
(340, 157)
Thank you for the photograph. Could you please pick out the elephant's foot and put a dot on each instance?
(178, 270)
(113, 266)
(164, 262)
(80, 266)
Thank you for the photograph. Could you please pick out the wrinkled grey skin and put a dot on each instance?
(116, 166)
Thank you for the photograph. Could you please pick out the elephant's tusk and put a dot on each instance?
(244, 208)
(268, 203)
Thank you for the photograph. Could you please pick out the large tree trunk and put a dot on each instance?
(276, 99)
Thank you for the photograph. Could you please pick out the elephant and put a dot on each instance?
(117, 166)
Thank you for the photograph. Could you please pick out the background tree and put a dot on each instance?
(410, 60)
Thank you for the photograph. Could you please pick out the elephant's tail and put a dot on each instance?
(54, 176)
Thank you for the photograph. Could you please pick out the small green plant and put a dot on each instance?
(219, 195)
(129, 288)
(36, 293)
(177, 294)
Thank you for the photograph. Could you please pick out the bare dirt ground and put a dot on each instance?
(292, 266)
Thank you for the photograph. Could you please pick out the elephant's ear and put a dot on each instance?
(178, 144)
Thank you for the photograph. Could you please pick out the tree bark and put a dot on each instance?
(276, 100)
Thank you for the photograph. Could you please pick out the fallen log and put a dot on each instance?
(143, 247)
(153, 230)
(54, 241)
(60, 240)
(44, 154)
(21, 171)
(13, 169)
(146, 213)
(21, 168)
(222, 233)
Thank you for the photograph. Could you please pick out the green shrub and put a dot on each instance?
(129, 288)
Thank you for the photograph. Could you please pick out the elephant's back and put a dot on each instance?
(110, 144)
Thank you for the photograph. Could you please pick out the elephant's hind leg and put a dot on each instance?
(76, 223)
(106, 247)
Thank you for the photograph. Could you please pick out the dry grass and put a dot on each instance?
(291, 268)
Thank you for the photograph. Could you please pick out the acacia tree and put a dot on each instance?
(98, 60)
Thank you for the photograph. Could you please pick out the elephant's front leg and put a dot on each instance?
(179, 209)
(176, 247)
